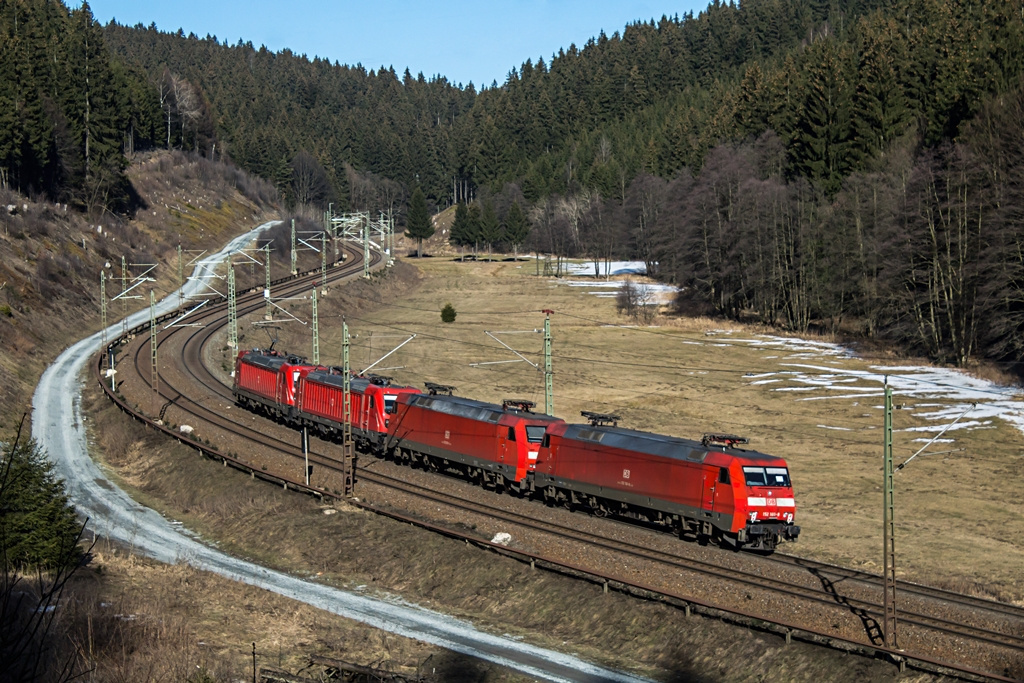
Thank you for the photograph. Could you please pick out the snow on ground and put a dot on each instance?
(659, 294)
(817, 374)
(58, 427)
(586, 268)
(823, 377)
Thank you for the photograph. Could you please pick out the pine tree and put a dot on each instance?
(490, 226)
(38, 526)
(473, 232)
(517, 228)
(458, 235)
(90, 105)
(822, 140)
(880, 112)
(418, 225)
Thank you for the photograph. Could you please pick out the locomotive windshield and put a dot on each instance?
(535, 433)
(390, 404)
(766, 476)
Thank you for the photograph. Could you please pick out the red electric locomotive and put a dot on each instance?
(495, 445)
(710, 488)
(373, 402)
(268, 380)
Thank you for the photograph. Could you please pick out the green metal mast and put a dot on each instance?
(323, 259)
(391, 236)
(124, 298)
(269, 315)
(232, 312)
(549, 381)
(181, 277)
(316, 332)
(152, 346)
(294, 269)
(347, 450)
(366, 247)
(889, 534)
(103, 306)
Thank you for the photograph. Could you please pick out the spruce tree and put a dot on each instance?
(473, 233)
(38, 526)
(91, 107)
(517, 228)
(418, 225)
(490, 226)
(460, 225)
(822, 141)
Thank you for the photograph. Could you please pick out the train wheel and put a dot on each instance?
(549, 496)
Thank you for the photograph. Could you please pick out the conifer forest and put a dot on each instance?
(851, 166)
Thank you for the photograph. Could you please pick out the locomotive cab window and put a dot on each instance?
(511, 433)
(535, 433)
(777, 476)
(755, 476)
(723, 475)
(766, 476)
(546, 441)
(390, 404)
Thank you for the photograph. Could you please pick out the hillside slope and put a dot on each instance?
(51, 257)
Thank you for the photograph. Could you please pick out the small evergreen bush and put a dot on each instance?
(448, 313)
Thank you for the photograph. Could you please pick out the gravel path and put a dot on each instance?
(57, 428)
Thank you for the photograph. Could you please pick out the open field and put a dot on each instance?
(959, 515)
(368, 553)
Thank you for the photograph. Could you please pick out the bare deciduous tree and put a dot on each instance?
(310, 185)
(187, 104)
(167, 105)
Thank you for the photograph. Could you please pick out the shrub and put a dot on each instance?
(448, 313)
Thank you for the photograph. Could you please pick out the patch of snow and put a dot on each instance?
(616, 268)
(956, 391)
(608, 289)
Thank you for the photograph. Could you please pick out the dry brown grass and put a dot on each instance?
(371, 554)
(164, 622)
(683, 377)
(686, 377)
(51, 257)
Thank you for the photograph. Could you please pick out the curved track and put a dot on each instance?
(58, 427)
(839, 589)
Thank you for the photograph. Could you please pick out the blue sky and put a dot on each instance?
(464, 40)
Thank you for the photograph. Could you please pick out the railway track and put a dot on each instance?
(674, 561)
(993, 624)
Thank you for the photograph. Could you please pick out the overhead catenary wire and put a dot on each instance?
(669, 335)
(808, 432)
(686, 371)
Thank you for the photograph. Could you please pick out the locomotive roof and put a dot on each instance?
(471, 408)
(356, 383)
(655, 444)
(269, 362)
